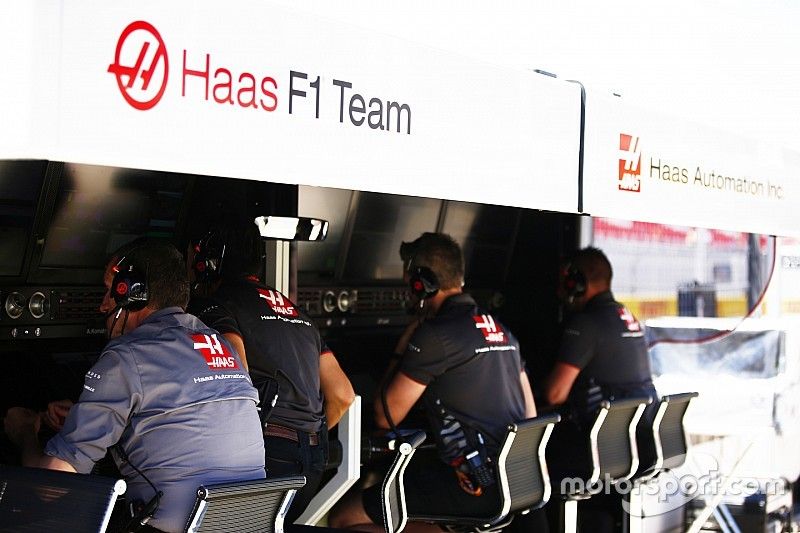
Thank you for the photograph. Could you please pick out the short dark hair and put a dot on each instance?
(244, 250)
(130, 246)
(594, 265)
(238, 249)
(442, 254)
(164, 268)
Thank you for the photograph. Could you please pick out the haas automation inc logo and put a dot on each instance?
(141, 65)
(630, 167)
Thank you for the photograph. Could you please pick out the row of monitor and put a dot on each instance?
(59, 222)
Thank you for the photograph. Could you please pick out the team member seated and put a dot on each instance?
(603, 355)
(298, 376)
(603, 344)
(168, 395)
(467, 369)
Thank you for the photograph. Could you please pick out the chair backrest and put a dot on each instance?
(672, 442)
(35, 500)
(395, 513)
(521, 466)
(257, 506)
(647, 442)
(615, 438)
(522, 475)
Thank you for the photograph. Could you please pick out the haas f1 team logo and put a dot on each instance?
(630, 321)
(491, 330)
(630, 167)
(216, 354)
(141, 65)
(279, 303)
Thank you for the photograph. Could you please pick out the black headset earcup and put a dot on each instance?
(200, 265)
(129, 288)
(207, 264)
(574, 282)
(423, 282)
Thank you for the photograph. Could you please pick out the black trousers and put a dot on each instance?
(284, 457)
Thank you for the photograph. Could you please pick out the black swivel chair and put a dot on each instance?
(522, 476)
(670, 442)
(673, 439)
(616, 439)
(609, 455)
(35, 500)
(257, 506)
(395, 513)
(670, 445)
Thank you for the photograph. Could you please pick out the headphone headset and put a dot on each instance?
(423, 282)
(129, 286)
(207, 264)
(573, 282)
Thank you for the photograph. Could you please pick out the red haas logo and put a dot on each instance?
(630, 321)
(141, 65)
(217, 356)
(492, 332)
(630, 159)
(278, 302)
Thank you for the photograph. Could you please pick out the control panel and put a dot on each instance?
(50, 312)
(369, 306)
(355, 306)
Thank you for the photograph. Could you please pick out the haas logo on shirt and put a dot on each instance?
(491, 330)
(630, 321)
(278, 302)
(217, 355)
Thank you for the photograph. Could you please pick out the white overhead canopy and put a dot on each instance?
(251, 90)
(261, 92)
(642, 165)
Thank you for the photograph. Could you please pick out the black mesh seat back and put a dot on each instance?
(242, 507)
(671, 431)
(399, 512)
(528, 480)
(394, 509)
(36, 500)
(646, 440)
(392, 490)
(614, 442)
(569, 454)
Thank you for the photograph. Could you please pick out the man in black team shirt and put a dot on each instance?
(466, 368)
(603, 344)
(603, 355)
(283, 350)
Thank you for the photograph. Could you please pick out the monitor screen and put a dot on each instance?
(20, 186)
(98, 209)
(366, 230)
(381, 223)
(318, 261)
(487, 234)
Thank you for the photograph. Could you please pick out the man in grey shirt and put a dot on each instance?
(168, 396)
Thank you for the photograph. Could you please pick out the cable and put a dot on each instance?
(110, 331)
(142, 515)
(385, 404)
(394, 363)
(124, 322)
